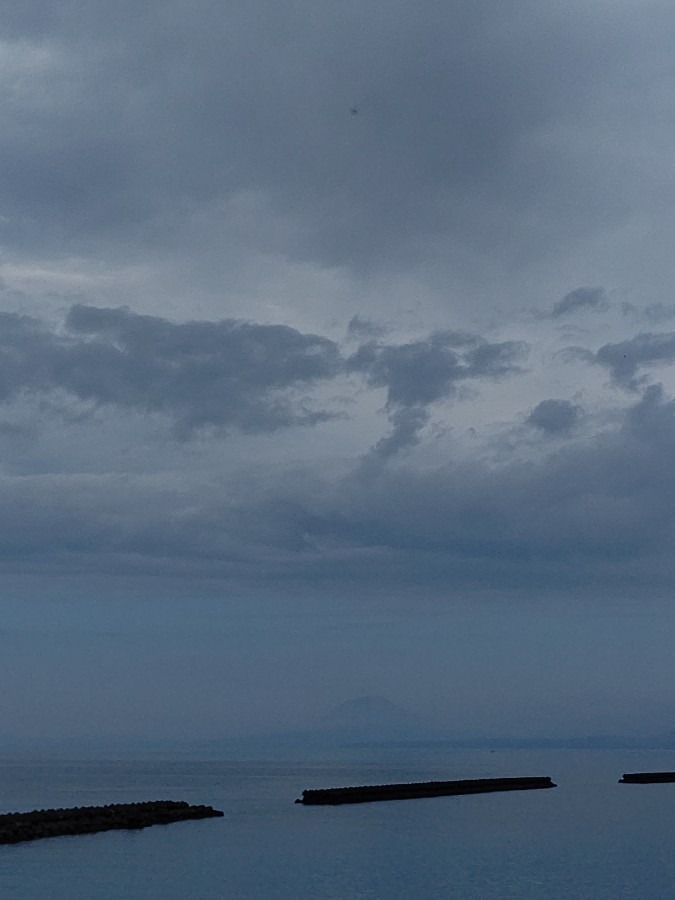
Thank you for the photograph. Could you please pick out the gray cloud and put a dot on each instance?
(131, 129)
(554, 416)
(482, 129)
(407, 423)
(363, 329)
(420, 373)
(656, 313)
(597, 514)
(590, 515)
(233, 374)
(659, 312)
(225, 374)
(653, 418)
(625, 359)
(580, 300)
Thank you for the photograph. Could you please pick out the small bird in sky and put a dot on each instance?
(354, 111)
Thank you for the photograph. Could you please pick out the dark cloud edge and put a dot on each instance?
(595, 516)
(234, 374)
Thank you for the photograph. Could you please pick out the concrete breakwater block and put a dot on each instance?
(415, 790)
(42, 823)
(647, 778)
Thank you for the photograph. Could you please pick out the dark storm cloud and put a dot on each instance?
(625, 359)
(580, 300)
(419, 373)
(554, 416)
(126, 118)
(227, 374)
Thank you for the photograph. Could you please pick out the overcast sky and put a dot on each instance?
(336, 358)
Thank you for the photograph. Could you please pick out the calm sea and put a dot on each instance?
(588, 838)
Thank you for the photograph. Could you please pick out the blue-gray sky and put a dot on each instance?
(336, 358)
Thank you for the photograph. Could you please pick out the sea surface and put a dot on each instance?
(588, 838)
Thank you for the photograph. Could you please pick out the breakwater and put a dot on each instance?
(42, 823)
(647, 777)
(416, 790)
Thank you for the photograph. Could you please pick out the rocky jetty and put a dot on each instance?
(371, 792)
(647, 777)
(42, 823)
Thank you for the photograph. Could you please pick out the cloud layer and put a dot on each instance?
(470, 117)
(596, 513)
(228, 374)
(597, 503)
